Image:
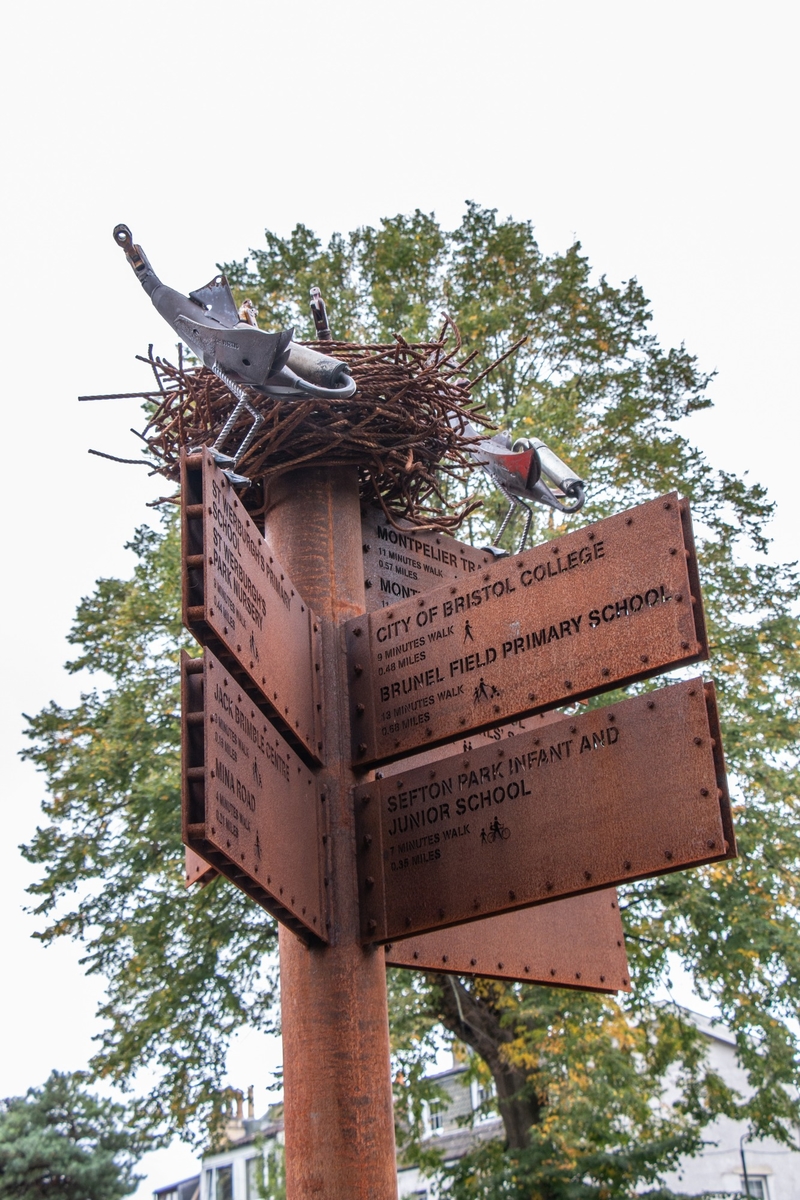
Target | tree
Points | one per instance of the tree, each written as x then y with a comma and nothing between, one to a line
580,1078
59,1142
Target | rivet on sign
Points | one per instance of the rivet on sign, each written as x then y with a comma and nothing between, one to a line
416,954
496,708
444,958
711,845
499,966
428,733
372,925
548,886
367,583
396,742
667,505
602,978
577,974
463,721
369,881
554,549
486,579
591,537
408,922
441,912
359,710
573,728
527,968
619,943
453,591
421,601
685,646
650,704
587,874
644,658
627,864
379,774
367,839
698,741
358,669
531,695
629,520
512,895
357,631
703,791
567,683
520,564
605,672
476,903
473,962
679,597
552,970
365,547
668,855
624,979
611,718
673,551
362,747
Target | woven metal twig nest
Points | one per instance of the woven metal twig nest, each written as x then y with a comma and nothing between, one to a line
398,428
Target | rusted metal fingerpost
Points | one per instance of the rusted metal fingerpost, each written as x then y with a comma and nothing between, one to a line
337,1081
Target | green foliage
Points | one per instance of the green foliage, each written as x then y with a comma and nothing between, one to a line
585,1104
184,970
61,1143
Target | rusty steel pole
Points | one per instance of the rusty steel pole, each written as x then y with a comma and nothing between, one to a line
334,1016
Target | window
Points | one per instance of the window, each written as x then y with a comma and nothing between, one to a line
251,1168
758,1187
224,1183
436,1115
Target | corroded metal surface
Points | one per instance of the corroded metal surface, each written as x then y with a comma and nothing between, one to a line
577,942
240,602
405,561
196,869
611,603
250,807
614,794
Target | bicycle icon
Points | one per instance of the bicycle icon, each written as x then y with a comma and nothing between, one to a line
498,832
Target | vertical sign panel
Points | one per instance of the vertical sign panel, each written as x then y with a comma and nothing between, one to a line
239,601
611,603
251,808
621,793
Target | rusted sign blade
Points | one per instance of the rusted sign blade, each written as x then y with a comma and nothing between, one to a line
250,807
613,794
402,561
196,869
575,943
239,601
611,603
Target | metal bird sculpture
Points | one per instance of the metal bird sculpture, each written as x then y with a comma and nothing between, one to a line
228,342
526,472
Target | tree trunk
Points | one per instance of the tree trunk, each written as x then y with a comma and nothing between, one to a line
475,1022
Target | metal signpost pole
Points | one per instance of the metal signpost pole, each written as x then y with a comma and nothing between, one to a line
337,1082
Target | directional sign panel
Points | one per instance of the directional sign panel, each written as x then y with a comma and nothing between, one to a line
614,794
576,943
402,560
611,603
239,601
250,807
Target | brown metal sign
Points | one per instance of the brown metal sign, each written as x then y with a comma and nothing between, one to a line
611,603
196,869
239,601
614,794
250,807
402,560
577,942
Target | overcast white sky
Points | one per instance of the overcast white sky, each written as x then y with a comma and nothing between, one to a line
663,135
